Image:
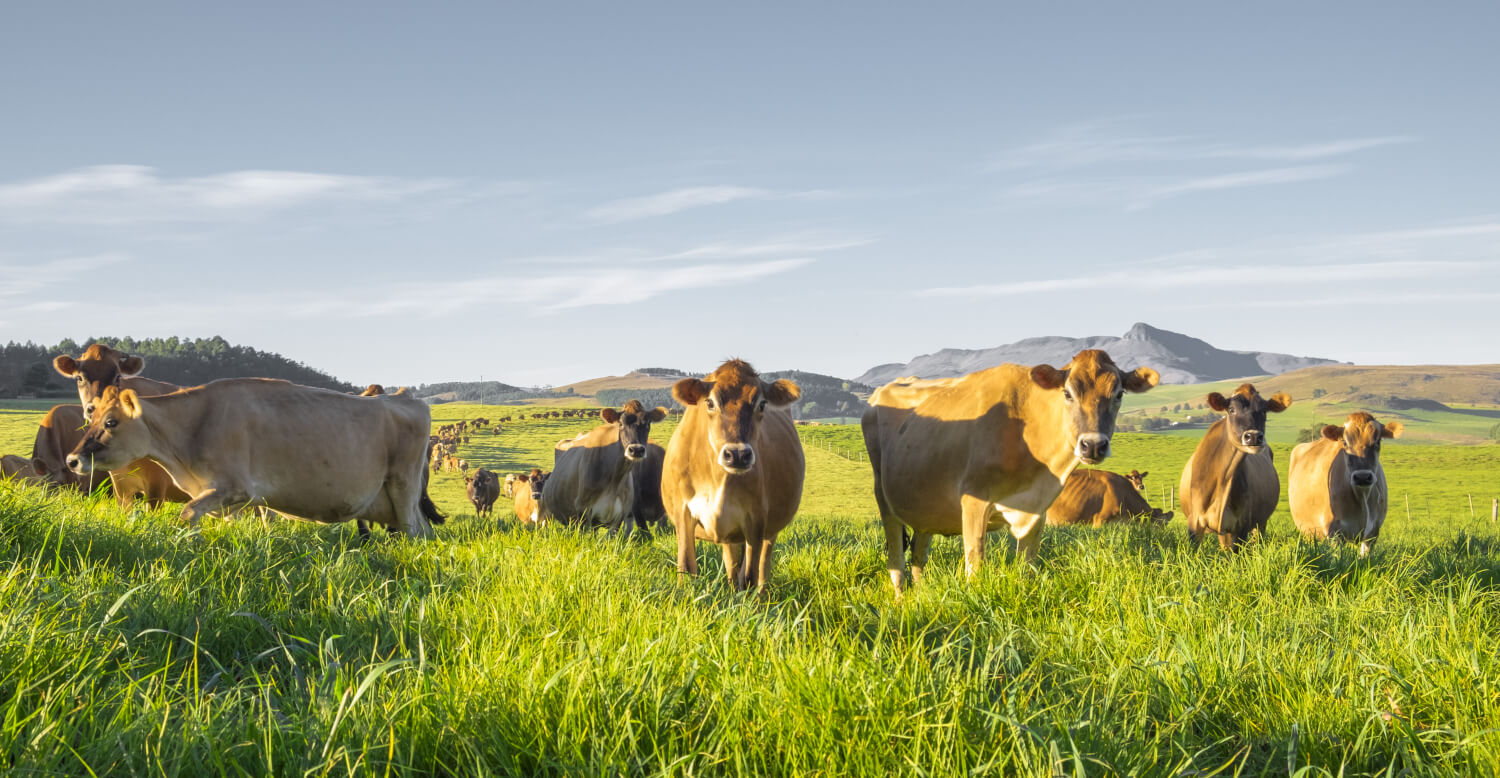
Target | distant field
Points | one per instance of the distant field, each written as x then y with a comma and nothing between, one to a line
129,646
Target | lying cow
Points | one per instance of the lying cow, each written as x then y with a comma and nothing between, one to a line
1336,485
1230,486
988,450
734,469
482,488
309,453
1097,497
18,468
529,493
591,477
59,433
98,368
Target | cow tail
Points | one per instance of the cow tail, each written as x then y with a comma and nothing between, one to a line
428,507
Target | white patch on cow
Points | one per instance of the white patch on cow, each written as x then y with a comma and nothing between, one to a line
1033,500
708,509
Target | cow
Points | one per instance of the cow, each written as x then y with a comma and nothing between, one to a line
1138,480
98,368
1229,486
647,508
482,488
373,390
530,493
18,468
508,489
591,477
309,453
1096,497
994,448
1336,485
733,470
60,431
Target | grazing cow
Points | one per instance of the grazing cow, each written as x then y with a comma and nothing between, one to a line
647,508
592,474
19,468
1230,485
1336,485
98,368
529,491
733,470
1095,497
993,448
310,453
483,488
463,467
60,431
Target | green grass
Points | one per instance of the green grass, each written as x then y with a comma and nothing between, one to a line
129,646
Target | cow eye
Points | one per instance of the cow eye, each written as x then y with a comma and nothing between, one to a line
111,423
709,403
1067,395
762,405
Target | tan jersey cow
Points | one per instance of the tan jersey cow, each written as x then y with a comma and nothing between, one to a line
60,431
528,491
733,470
19,468
993,448
1336,485
308,453
1097,497
96,369
1230,485
591,474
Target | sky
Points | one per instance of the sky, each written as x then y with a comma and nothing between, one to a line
548,192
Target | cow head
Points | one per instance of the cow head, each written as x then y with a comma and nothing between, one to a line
1245,413
1091,388
1360,440
99,368
535,482
117,434
634,423
734,399
1138,479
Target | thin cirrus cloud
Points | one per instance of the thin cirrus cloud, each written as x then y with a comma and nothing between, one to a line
688,198
130,194
1089,145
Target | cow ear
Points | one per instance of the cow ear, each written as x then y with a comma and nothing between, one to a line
610,415
132,366
1333,433
657,414
1141,379
39,466
1279,402
1217,402
66,365
782,392
691,391
1143,475
130,402
1393,430
1048,377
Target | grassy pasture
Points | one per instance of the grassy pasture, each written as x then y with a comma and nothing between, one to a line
129,646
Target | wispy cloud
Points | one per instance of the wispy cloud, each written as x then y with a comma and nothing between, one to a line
1099,143
127,194
23,279
1282,175
677,200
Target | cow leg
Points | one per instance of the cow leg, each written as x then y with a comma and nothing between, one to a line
895,557
1027,530
687,551
734,564
921,543
404,497
203,504
754,546
1228,541
763,570
975,515
364,530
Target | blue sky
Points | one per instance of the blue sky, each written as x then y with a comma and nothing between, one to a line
539,194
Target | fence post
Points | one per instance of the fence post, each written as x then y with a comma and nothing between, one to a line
1494,510
1471,506
1408,506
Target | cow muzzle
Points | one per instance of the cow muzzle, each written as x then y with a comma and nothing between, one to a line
737,458
1252,439
635,452
1363,479
79,464
1092,448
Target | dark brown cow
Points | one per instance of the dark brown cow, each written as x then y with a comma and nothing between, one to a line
648,508
592,473
483,488
59,433
1097,497
1230,486
734,469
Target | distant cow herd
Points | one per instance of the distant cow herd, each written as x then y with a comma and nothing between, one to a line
996,449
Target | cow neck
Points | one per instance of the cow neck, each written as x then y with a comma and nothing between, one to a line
170,447
1044,411
1225,482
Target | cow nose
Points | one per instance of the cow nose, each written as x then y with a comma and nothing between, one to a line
72,462
88,411
1093,447
635,452
1251,438
737,456
1363,477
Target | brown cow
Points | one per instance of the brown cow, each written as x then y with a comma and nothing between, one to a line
482,488
592,473
19,468
529,491
1230,485
733,470
96,369
254,441
373,390
648,509
1336,485
59,433
1096,497
993,448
